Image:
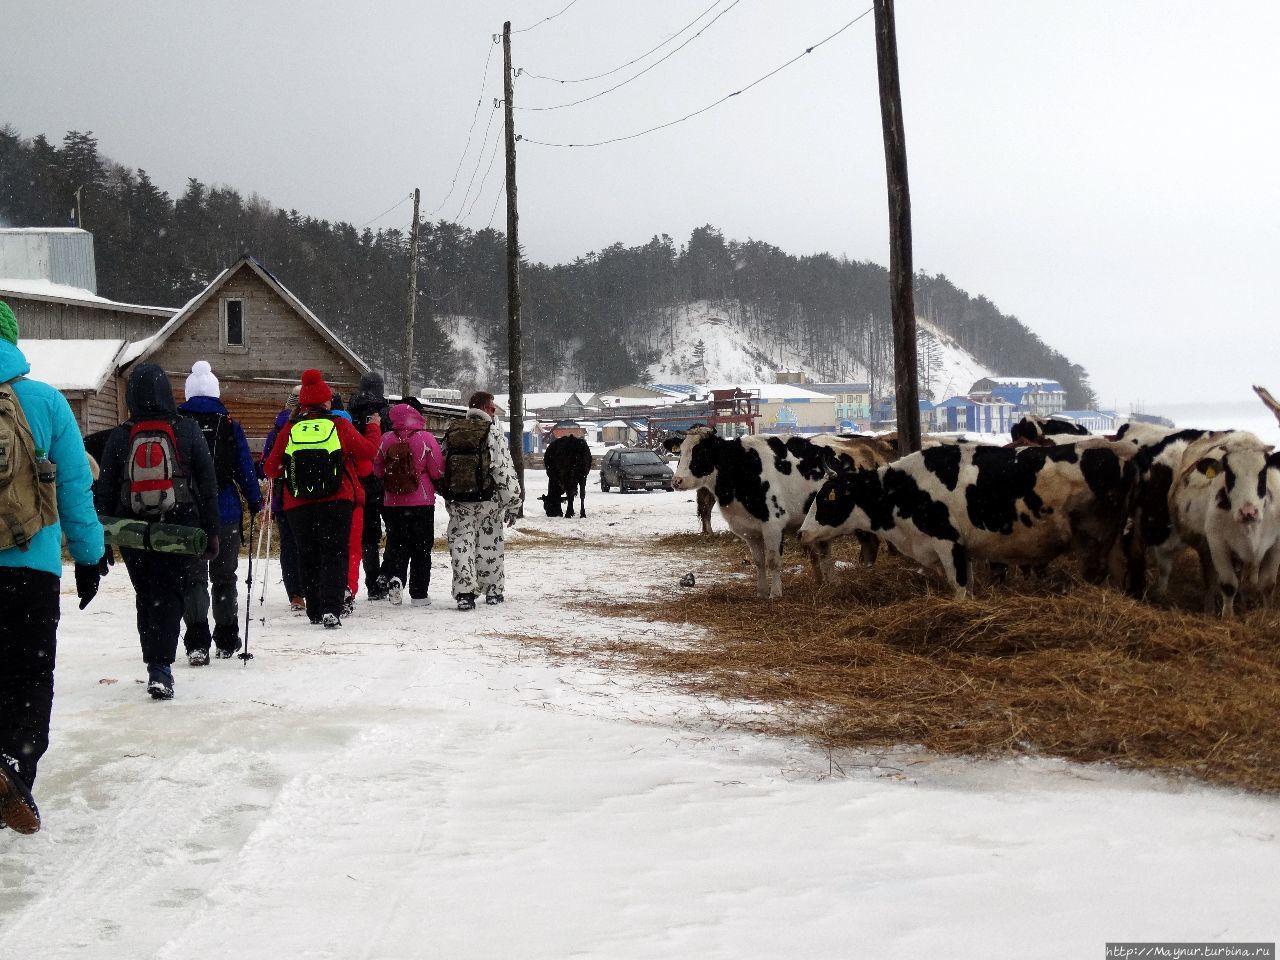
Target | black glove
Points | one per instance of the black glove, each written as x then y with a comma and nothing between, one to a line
107,562
87,577
211,551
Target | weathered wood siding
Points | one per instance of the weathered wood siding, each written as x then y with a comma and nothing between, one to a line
101,409
40,320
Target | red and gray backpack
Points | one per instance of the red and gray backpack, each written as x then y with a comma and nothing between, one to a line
153,468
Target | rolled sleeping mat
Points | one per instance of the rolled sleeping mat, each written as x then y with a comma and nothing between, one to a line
156,537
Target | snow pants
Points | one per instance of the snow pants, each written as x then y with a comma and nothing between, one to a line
354,549
371,536
221,573
476,547
410,534
159,583
28,641
322,532
288,556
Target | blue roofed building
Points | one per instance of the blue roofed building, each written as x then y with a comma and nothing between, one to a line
1027,394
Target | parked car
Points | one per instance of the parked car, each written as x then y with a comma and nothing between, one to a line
630,468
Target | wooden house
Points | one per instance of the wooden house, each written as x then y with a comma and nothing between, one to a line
258,337
84,371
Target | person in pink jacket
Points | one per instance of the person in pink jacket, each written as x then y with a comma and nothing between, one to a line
409,463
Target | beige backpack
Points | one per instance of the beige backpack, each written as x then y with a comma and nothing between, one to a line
28,481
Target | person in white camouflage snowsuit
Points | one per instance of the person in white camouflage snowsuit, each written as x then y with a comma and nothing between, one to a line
476,529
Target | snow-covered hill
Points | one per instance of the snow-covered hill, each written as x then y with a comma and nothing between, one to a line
705,342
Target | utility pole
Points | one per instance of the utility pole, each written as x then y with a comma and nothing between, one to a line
901,272
79,218
406,376
515,386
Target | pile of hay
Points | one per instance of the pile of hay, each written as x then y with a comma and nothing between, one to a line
1045,666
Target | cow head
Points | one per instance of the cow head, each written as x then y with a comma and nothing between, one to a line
553,504
1241,479
699,450
847,503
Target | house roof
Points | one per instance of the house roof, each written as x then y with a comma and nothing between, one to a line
49,292
143,349
73,365
775,391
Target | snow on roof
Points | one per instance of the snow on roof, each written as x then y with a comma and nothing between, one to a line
72,364
775,391
1024,382
540,401
48,290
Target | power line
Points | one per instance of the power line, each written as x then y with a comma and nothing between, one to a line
502,188
470,131
544,19
727,96
600,76
637,76
485,179
479,160
386,211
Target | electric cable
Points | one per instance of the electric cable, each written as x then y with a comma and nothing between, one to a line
544,19
637,76
470,131
385,212
600,76
479,160
690,116
485,179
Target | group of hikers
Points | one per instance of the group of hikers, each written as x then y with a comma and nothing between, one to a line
170,487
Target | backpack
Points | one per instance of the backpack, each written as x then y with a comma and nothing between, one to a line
220,436
400,473
467,476
313,461
153,470
28,491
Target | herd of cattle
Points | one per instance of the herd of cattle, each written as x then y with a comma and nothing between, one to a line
1119,502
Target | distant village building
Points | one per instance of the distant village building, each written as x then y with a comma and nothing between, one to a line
1095,421
1027,394
974,415
853,403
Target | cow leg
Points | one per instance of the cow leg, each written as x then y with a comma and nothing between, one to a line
1226,567
706,500
1164,569
1268,571
756,545
870,545
820,560
570,491
773,561
954,560
582,497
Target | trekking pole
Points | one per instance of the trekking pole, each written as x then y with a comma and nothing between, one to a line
245,655
266,565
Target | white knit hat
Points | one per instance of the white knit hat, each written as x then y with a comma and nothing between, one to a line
202,382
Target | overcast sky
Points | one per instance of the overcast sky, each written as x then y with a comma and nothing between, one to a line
1107,171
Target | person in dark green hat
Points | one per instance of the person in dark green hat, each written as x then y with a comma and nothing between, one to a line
47,453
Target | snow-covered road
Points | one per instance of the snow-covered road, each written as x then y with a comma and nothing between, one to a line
419,785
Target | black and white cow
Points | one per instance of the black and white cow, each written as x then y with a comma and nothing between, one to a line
1224,503
1034,431
764,486
950,505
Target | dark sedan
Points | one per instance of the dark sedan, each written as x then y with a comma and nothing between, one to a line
633,469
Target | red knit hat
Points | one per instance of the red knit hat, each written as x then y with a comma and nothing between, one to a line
315,392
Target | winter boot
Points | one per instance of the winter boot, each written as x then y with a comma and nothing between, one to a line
297,605
197,641
331,621
420,602
199,658
493,599
378,589
395,591
227,640
348,604
160,681
466,601
18,809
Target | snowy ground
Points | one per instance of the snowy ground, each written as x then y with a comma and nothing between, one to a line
419,785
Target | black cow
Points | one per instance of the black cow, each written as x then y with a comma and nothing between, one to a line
567,461
1033,431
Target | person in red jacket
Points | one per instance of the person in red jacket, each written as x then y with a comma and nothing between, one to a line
319,455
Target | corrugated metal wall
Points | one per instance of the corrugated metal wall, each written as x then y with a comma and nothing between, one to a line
58,255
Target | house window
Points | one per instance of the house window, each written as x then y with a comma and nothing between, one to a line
233,331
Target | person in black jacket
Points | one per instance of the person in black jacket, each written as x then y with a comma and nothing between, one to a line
159,579
370,402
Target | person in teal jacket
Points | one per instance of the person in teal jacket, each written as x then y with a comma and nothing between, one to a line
29,584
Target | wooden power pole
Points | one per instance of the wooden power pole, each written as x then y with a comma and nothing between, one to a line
406,375
515,387
901,272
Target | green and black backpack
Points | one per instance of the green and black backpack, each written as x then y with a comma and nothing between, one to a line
467,475
313,458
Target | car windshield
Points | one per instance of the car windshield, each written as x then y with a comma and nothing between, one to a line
640,457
